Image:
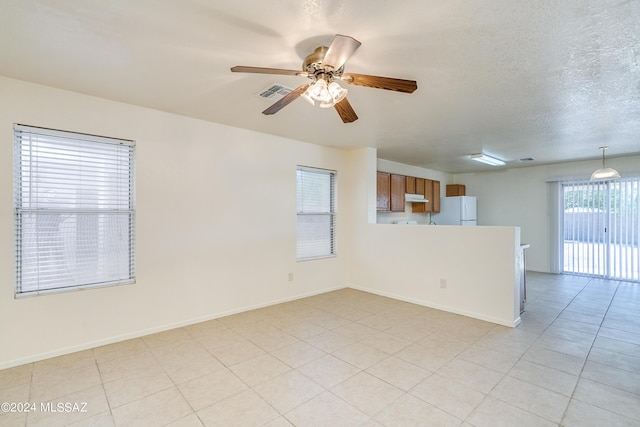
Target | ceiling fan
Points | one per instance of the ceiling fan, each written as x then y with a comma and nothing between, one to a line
325,67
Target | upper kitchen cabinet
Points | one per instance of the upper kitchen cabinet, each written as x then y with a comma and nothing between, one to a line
410,185
454,190
383,191
397,192
431,192
436,196
419,186
390,192
392,187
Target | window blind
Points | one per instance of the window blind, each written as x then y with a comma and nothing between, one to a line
74,210
601,228
316,208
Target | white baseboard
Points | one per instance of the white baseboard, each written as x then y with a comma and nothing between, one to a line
144,332
479,316
141,333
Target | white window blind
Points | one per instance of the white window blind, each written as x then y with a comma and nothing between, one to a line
74,210
316,206
601,228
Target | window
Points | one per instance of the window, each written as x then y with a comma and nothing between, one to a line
316,206
74,210
601,228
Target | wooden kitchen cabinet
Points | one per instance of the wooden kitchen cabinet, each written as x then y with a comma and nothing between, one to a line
397,192
428,194
392,187
426,191
390,192
456,190
383,203
410,185
431,192
419,186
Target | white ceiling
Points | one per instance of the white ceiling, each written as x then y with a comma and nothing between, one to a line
551,80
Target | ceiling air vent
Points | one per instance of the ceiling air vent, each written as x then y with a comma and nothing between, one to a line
275,92
526,159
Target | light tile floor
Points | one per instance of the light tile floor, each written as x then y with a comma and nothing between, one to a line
350,358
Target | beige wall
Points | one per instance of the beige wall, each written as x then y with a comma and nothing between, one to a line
215,225
408,262
216,232
521,197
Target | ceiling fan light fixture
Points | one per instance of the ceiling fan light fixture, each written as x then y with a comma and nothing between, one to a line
318,91
305,95
604,173
327,104
327,94
337,92
483,158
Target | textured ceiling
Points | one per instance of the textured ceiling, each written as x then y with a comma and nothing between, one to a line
551,80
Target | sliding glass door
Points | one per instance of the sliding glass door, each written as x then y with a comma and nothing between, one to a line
601,228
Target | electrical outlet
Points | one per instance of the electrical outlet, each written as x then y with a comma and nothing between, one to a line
291,277
443,283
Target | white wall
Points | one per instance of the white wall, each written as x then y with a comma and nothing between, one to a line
215,225
407,262
521,197
216,232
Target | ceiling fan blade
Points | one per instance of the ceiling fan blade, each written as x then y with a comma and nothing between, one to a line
262,70
388,83
286,100
341,49
346,112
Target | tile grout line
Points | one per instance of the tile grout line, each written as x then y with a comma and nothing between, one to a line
505,375
590,348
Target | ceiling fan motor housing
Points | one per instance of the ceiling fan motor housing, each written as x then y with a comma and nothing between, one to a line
313,65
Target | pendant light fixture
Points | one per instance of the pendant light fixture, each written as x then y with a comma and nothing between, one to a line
604,173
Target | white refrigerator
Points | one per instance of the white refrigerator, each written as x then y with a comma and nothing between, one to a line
459,210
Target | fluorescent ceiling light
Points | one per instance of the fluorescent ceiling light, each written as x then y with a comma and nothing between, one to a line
483,158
